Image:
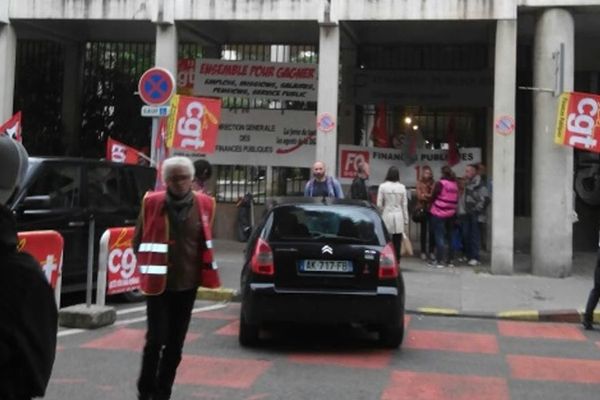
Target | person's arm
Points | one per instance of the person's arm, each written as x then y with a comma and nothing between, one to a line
379,198
405,207
139,228
307,189
337,187
436,191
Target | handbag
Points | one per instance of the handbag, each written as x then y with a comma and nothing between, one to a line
419,214
406,247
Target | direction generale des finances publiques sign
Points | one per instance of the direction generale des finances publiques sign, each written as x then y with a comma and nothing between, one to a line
253,79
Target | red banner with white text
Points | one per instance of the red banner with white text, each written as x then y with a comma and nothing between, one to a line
12,127
121,153
193,124
47,248
578,121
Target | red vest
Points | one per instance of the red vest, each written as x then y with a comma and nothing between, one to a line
152,257
445,204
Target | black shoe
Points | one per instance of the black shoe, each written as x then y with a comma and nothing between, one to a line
588,325
144,396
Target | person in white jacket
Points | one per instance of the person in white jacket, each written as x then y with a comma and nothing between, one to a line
392,201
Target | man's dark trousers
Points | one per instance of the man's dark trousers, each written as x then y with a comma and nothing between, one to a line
168,321
594,296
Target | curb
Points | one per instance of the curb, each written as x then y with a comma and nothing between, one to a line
567,316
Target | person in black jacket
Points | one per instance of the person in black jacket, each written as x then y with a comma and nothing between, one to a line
28,315
358,189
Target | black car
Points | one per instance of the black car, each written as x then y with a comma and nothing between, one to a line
322,261
63,194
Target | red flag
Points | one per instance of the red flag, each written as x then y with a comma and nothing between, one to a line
379,132
121,153
161,152
12,127
453,154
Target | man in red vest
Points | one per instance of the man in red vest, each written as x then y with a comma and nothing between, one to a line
174,256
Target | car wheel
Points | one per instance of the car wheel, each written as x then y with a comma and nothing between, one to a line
248,335
391,336
135,296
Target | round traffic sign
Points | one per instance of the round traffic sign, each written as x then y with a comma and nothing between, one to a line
156,86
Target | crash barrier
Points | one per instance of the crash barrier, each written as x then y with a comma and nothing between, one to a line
117,272
47,248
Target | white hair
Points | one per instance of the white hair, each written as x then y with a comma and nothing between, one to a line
172,162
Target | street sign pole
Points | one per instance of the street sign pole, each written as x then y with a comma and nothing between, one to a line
153,154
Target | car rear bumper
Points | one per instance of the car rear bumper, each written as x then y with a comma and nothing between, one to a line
264,303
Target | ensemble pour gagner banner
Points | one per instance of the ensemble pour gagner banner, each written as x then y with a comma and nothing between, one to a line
578,121
254,79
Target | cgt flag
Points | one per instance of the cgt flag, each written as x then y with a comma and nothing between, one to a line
193,124
578,121
12,127
121,153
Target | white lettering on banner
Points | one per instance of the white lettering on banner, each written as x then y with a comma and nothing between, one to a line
49,267
122,261
118,153
191,126
582,124
119,283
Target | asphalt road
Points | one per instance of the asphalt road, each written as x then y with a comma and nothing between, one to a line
441,358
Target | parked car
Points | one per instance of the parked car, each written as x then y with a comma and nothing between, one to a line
63,194
322,261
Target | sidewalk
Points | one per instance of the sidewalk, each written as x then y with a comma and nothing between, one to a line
463,290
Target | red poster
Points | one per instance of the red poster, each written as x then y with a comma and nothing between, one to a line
47,248
193,124
349,162
578,121
379,133
12,127
121,153
123,276
185,76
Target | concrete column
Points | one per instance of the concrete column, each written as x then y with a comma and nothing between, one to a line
552,174
503,158
72,93
8,49
329,55
166,47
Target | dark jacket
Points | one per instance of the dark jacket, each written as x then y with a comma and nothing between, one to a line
358,189
28,320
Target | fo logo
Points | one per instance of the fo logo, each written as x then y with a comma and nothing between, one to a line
350,160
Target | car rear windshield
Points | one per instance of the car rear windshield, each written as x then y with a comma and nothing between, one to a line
335,223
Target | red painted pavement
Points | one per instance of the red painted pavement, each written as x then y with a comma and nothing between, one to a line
451,341
231,329
217,315
220,372
377,359
554,369
429,386
540,330
126,339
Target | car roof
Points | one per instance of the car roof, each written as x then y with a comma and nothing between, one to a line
273,202
78,160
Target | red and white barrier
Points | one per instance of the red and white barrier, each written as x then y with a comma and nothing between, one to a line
117,272
47,248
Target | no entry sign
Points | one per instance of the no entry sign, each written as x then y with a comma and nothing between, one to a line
156,86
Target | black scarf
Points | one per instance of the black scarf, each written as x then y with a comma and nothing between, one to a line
178,208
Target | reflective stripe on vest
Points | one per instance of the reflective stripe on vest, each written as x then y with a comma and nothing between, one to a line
154,248
153,269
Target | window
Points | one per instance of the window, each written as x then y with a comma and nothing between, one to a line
60,184
105,189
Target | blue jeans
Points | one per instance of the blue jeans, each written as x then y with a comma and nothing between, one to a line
472,236
442,231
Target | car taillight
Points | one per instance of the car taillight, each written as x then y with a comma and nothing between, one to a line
262,259
388,265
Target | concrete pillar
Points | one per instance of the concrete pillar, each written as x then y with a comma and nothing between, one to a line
166,47
329,55
347,107
72,97
8,49
552,174
503,158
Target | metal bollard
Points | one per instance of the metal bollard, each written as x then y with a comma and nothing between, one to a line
90,262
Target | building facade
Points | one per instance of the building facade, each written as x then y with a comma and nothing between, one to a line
496,65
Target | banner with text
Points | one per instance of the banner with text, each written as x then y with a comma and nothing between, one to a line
264,137
122,274
193,124
255,79
578,121
380,159
47,248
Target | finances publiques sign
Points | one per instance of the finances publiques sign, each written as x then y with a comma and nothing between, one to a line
254,79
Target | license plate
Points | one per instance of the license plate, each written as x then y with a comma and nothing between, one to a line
336,266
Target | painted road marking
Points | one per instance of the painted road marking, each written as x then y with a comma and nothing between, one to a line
452,341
